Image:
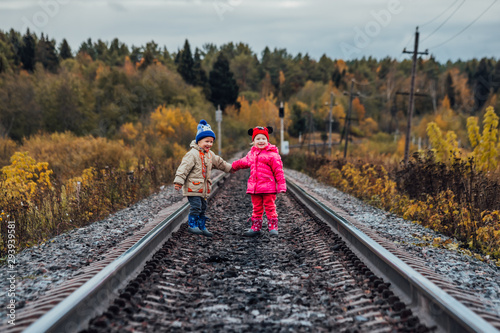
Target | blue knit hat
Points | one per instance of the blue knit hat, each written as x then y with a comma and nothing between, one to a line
204,130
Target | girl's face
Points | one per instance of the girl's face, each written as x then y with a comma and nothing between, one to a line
206,143
260,141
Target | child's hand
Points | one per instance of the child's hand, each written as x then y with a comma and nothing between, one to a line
232,170
177,187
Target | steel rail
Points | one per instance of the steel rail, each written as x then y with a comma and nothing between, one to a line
433,305
92,298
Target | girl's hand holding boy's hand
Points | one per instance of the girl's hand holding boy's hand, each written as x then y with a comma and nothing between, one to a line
177,186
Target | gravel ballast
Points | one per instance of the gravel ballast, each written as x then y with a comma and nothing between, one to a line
467,272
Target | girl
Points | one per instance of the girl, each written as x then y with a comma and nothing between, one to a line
266,179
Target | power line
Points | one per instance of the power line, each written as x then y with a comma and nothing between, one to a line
428,22
461,31
435,18
446,20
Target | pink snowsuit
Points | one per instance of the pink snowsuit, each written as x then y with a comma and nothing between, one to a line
266,179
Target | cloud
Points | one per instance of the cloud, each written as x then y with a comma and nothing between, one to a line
316,27
119,7
16,5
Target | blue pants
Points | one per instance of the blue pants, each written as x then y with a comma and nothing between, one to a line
198,206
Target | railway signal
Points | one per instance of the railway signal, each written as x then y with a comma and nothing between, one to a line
284,148
218,119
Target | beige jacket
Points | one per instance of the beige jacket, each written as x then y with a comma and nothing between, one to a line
191,174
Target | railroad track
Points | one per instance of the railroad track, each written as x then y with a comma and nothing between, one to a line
309,278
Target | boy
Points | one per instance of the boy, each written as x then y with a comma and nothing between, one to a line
193,175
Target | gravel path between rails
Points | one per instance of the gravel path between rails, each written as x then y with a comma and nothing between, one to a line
41,267
303,280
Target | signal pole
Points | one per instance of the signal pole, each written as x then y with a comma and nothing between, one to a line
218,119
281,115
412,88
330,123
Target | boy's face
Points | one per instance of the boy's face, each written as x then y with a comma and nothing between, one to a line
260,141
206,143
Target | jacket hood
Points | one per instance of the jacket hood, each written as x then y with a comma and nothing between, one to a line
269,147
194,145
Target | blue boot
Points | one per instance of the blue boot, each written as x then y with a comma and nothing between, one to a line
202,219
193,225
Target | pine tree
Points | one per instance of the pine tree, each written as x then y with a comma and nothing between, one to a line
88,48
325,66
450,91
224,90
27,53
16,43
118,48
147,59
337,77
200,77
166,55
496,78
45,53
481,84
4,63
135,54
186,63
65,50
101,49
6,53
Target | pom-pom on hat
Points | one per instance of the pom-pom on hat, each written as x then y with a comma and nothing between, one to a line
260,130
204,130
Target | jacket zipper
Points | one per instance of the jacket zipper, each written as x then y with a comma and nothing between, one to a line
256,166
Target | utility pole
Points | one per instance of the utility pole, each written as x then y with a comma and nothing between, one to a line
348,120
330,124
412,87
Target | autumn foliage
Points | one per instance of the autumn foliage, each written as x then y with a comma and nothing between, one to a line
84,179
447,189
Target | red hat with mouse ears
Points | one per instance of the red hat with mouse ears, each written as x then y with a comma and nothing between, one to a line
260,130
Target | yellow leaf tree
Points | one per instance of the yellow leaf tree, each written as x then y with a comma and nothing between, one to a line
445,147
485,146
173,122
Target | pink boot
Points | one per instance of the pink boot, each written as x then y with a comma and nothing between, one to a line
255,229
273,226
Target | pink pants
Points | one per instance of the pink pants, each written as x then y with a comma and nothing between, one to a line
263,202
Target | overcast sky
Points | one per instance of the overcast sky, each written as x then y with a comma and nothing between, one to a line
449,29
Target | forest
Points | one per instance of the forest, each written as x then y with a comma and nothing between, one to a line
86,132
47,87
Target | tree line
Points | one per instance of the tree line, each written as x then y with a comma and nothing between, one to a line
48,87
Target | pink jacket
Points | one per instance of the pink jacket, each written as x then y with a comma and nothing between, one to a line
266,170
